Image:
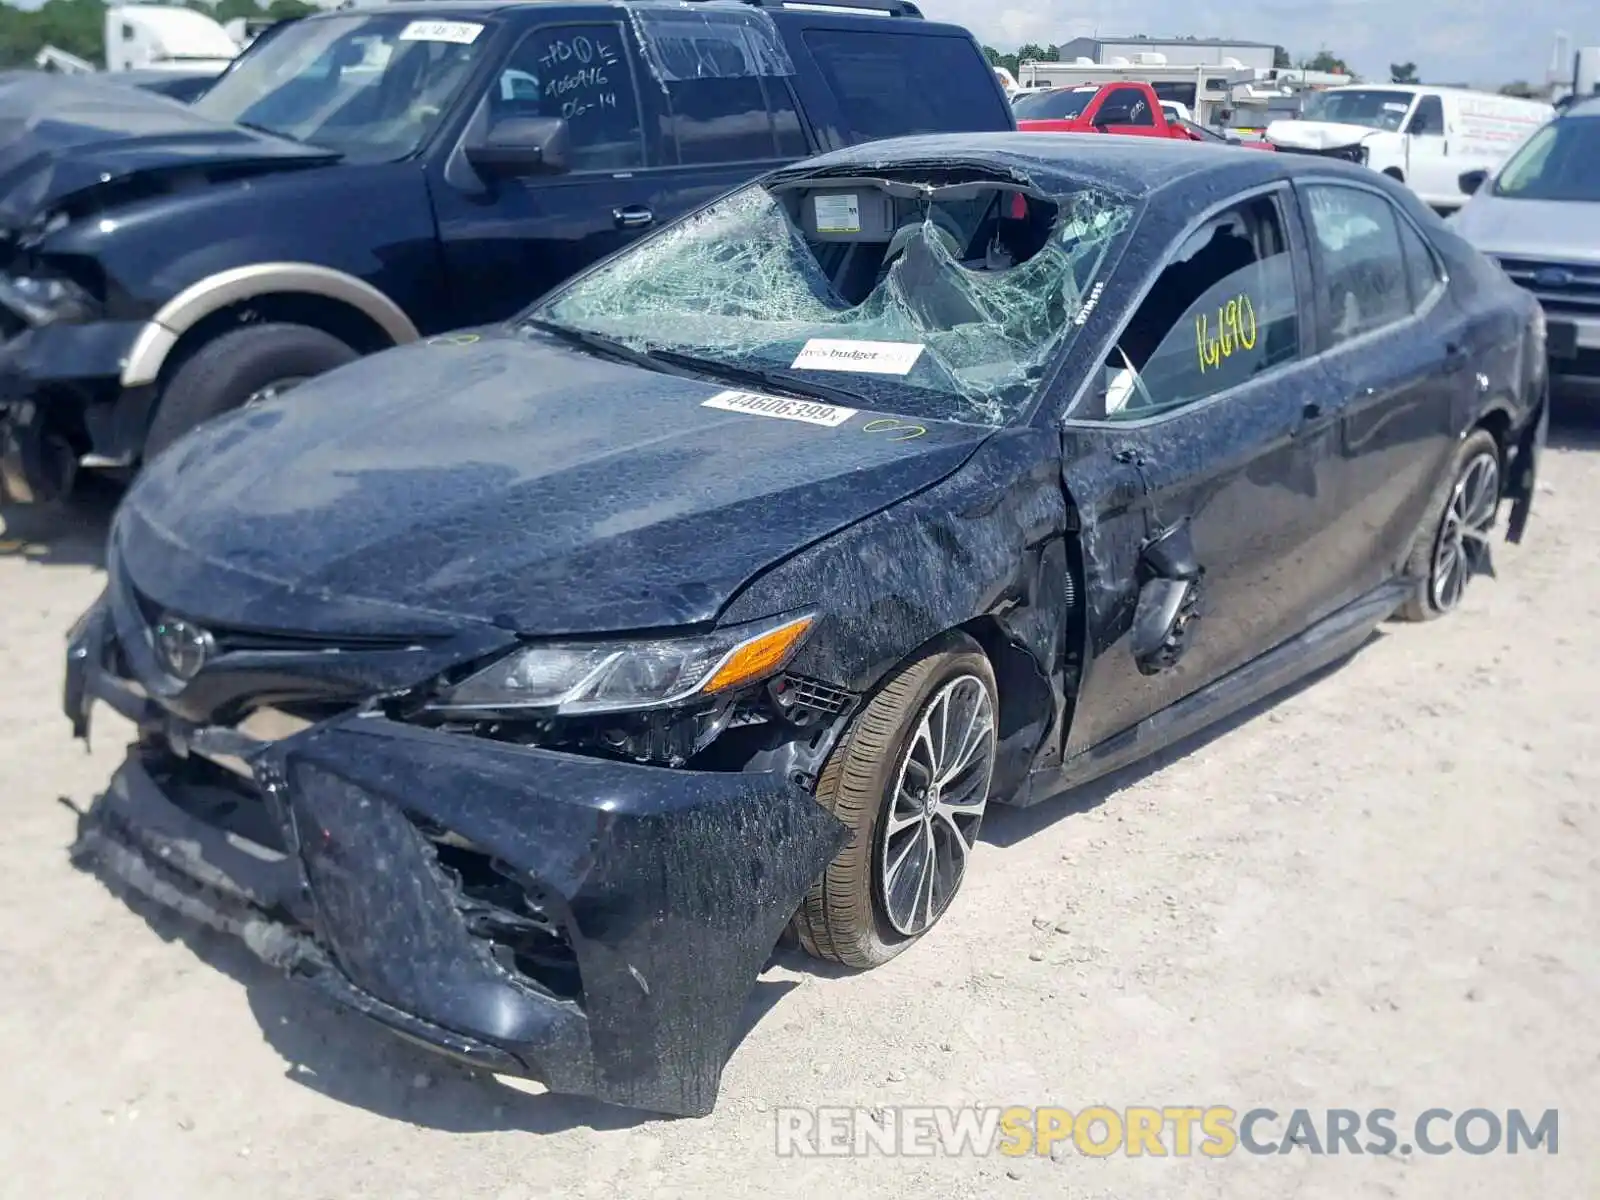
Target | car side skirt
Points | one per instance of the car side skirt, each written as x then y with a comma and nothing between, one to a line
1326,642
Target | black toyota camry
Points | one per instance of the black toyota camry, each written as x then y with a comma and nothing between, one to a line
520,687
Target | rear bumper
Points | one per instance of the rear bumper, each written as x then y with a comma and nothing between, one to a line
594,925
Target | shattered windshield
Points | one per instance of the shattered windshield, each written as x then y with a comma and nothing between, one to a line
944,303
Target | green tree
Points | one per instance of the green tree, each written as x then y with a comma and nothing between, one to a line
1280,58
1325,60
1033,53
1405,72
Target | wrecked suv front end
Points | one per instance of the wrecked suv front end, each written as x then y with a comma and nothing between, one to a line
575,917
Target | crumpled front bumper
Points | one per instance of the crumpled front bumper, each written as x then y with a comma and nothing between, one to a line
667,889
62,404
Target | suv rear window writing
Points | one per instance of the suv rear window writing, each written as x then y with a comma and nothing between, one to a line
891,84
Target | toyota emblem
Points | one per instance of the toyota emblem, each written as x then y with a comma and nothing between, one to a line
182,647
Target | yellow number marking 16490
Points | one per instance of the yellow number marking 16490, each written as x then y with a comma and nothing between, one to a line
1236,330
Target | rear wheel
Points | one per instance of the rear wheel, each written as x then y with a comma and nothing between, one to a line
255,362
911,780
1453,545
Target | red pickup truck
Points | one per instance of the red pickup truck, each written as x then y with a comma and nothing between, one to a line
1122,107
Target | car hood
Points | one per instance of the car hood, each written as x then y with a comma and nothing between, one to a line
496,477
1548,230
61,135
1316,135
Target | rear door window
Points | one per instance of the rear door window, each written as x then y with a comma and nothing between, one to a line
726,97
1356,235
891,84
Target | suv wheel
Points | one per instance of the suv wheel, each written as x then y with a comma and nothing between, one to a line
251,363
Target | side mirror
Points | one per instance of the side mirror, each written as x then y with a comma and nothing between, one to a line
521,146
1470,181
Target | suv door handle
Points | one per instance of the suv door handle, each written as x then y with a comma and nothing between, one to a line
635,216
1455,356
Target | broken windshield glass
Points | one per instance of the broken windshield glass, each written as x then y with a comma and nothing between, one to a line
951,314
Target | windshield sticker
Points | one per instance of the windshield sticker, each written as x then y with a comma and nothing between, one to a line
871,358
1393,106
812,412
462,33
1235,331
838,214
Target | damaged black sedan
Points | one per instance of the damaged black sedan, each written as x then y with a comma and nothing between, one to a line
523,704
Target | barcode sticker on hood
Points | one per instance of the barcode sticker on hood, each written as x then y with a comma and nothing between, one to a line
463,33
785,408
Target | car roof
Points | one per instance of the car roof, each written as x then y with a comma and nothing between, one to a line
1060,162
1588,107
483,8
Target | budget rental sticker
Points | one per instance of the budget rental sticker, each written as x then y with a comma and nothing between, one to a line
463,33
873,358
812,412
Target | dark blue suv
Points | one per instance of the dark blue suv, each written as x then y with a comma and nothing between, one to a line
369,176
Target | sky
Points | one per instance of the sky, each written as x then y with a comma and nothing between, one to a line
1484,42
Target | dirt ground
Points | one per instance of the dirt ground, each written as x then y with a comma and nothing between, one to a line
1378,891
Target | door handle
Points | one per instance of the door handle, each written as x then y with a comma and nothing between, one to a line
1455,356
634,216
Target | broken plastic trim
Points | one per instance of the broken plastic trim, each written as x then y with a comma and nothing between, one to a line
685,43
737,283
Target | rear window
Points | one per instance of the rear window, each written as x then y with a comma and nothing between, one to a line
891,84
1053,106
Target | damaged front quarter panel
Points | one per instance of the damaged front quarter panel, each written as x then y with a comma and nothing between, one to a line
669,887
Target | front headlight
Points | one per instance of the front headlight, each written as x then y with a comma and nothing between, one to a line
595,677
44,300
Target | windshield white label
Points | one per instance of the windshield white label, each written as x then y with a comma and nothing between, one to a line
873,358
838,214
463,33
812,412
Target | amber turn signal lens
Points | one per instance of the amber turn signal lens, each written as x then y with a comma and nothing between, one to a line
759,657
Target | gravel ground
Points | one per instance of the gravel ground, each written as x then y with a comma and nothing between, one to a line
1379,891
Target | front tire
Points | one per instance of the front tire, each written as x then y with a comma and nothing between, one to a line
231,370
910,778
1453,543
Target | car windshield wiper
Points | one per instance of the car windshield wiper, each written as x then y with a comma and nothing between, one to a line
772,380
606,348
687,366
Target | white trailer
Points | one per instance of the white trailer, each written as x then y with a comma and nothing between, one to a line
154,37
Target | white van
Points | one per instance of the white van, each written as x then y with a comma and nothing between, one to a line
1426,137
